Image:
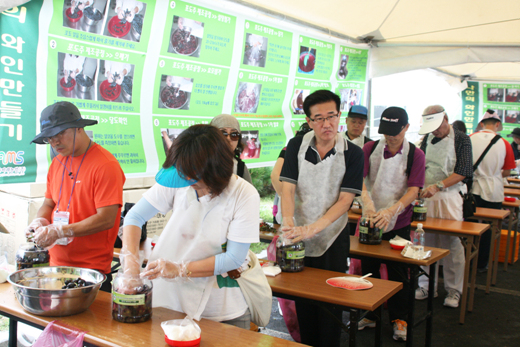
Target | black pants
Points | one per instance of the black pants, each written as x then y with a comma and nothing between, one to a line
397,304
485,240
317,327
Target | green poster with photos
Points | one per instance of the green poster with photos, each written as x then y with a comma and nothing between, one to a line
315,59
189,88
193,32
303,88
266,49
504,99
352,64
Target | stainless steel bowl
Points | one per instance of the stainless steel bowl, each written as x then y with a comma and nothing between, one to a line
39,290
84,89
91,22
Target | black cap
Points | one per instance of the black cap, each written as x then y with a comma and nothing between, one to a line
58,117
393,120
515,133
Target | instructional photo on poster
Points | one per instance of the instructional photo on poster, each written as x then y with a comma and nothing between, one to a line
298,99
125,19
343,71
307,60
255,50
175,92
349,98
168,136
247,98
495,94
512,117
85,15
186,37
513,95
76,76
115,81
251,145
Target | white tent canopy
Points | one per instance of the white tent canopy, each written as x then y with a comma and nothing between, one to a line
471,39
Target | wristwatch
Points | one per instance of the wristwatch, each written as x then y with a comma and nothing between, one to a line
440,185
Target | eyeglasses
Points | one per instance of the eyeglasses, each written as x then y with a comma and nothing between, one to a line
235,135
321,120
56,137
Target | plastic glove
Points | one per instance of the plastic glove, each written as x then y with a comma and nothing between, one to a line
119,79
128,283
302,233
165,269
382,218
287,224
430,191
130,263
35,224
46,236
130,16
369,208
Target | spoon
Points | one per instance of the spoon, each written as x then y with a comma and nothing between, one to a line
367,275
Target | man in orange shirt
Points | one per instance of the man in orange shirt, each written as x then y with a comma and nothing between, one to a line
81,212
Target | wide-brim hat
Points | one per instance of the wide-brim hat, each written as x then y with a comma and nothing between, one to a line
58,117
171,178
431,122
515,133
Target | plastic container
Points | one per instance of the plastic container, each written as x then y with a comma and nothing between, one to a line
29,255
419,210
131,308
418,239
367,234
290,256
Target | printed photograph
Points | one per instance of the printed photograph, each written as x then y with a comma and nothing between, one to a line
85,15
175,92
307,60
168,135
343,71
247,98
115,81
298,99
125,19
251,144
76,76
513,95
255,50
495,94
349,98
186,36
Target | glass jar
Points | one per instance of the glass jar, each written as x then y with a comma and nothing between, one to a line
419,210
367,234
29,255
290,256
136,306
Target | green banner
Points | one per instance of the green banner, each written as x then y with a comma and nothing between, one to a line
470,105
19,40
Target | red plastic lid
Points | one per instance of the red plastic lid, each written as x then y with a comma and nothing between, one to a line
118,29
508,199
192,343
109,93
68,89
73,20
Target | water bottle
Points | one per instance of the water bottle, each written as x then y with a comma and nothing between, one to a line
418,239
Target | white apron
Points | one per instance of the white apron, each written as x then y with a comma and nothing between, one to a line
440,163
192,233
358,141
317,190
387,181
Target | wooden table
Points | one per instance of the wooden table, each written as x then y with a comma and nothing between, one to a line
512,192
101,330
513,180
495,217
309,286
470,232
389,255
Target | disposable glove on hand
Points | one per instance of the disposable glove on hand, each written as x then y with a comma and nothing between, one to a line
383,218
430,191
165,269
46,236
369,208
128,283
35,224
130,263
302,233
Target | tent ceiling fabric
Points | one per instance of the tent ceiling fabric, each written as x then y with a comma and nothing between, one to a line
464,37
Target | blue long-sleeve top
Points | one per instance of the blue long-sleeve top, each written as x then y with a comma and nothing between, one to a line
232,259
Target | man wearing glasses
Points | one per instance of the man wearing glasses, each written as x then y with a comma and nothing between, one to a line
81,212
321,175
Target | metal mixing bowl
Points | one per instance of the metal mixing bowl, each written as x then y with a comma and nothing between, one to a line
39,290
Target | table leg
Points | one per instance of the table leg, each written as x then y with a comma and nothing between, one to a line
13,333
353,327
379,325
497,250
411,306
509,228
513,248
429,313
491,262
474,262
464,301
